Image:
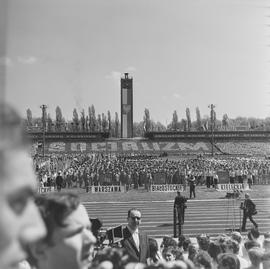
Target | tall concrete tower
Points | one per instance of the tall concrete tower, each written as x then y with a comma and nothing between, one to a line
126,107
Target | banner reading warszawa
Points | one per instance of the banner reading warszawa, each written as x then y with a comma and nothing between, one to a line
166,188
129,146
105,189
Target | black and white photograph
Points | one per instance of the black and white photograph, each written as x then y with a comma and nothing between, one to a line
134,134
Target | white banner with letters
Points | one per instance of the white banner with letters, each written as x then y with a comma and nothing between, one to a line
166,188
232,187
45,189
105,189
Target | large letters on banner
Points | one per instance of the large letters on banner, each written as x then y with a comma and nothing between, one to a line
166,188
45,189
105,189
127,146
231,187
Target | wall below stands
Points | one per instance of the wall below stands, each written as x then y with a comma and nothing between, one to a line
127,146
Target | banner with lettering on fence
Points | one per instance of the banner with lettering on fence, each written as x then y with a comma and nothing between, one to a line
106,189
166,188
45,189
232,187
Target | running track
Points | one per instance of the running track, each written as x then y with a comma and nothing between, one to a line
202,216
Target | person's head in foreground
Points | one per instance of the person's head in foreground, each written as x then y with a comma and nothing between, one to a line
20,221
228,261
203,260
69,242
192,251
115,258
256,256
172,253
169,253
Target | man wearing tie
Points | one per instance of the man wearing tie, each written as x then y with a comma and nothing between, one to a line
135,242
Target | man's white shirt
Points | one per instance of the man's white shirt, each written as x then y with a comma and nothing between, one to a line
135,236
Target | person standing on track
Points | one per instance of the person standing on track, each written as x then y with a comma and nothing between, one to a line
192,184
59,181
249,209
180,206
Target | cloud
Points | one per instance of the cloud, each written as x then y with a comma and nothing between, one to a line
114,75
27,60
176,95
131,69
5,61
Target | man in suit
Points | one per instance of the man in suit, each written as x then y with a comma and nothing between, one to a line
192,184
248,210
135,242
59,181
180,206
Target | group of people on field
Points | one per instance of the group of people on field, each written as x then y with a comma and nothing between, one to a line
82,170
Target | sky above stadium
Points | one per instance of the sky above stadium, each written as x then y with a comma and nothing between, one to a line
180,53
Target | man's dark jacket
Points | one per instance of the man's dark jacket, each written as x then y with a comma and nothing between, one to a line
249,207
129,244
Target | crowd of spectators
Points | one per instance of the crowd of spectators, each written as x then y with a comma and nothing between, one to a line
247,148
82,170
232,251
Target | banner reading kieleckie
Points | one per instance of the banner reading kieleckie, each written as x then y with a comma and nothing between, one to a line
232,187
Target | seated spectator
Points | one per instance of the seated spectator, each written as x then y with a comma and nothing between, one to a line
172,253
235,250
238,238
203,241
155,255
256,257
181,240
266,260
228,261
203,260
186,244
69,242
168,241
192,252
248,245
114,258
266,242
251,244
254,234
214,250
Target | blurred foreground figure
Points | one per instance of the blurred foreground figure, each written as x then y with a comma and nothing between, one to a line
70,241
20,221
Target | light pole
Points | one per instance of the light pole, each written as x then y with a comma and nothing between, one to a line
43,107
212,127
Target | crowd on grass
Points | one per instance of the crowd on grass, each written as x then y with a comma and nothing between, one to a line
80,170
